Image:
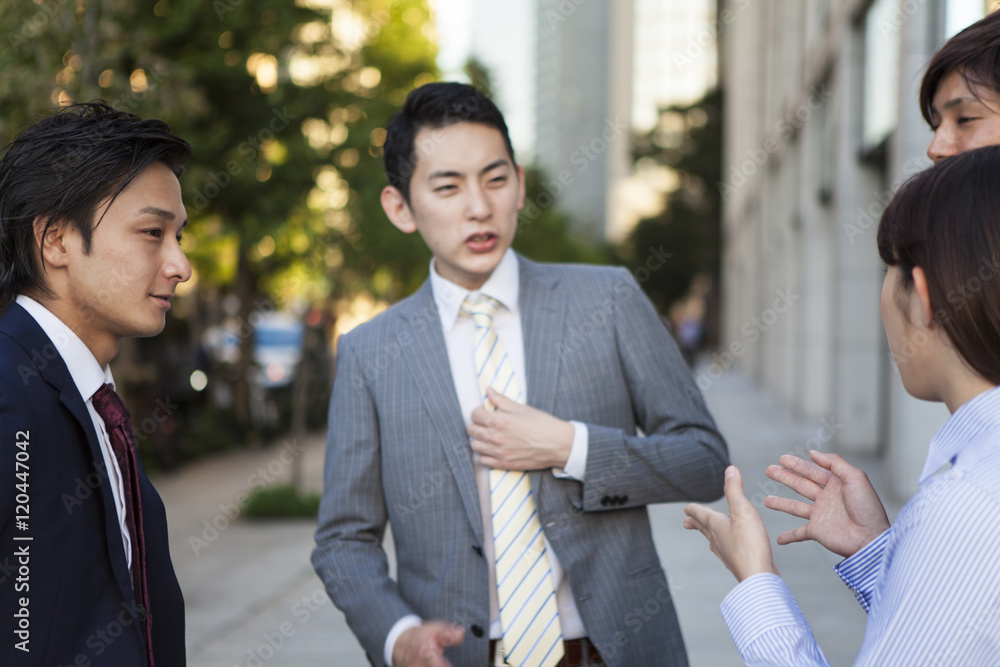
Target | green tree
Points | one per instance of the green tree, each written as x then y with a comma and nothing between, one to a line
688,141
544,232
285,105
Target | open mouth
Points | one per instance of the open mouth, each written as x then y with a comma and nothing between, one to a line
483,242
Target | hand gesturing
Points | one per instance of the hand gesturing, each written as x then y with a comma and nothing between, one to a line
739,538
845,514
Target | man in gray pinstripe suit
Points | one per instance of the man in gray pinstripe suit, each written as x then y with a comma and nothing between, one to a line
613,422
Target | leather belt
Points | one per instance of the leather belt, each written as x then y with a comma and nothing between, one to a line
575,650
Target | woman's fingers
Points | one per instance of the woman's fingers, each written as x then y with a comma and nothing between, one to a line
788,506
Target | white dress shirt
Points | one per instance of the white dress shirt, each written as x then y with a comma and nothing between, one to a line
88,378
459,333
930,584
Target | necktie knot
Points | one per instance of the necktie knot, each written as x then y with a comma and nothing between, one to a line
480,306
110,407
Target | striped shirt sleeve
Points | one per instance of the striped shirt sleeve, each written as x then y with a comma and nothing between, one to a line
767,625
861,571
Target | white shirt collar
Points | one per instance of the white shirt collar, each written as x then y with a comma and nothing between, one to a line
504,285
79,360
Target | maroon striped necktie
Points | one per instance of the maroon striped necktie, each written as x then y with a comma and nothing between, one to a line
116,419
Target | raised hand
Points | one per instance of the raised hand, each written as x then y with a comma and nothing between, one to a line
845,513
739,538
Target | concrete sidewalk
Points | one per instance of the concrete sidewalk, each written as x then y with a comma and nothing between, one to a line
252,598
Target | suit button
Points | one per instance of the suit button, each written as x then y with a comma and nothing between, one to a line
624,499
604,501
476,630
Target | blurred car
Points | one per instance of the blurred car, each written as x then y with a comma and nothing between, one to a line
277,349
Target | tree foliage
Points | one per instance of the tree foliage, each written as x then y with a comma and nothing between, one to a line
285,104
688,141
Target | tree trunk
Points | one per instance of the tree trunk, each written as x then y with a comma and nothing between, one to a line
246,291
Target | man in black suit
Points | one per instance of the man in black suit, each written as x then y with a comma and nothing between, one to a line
90,225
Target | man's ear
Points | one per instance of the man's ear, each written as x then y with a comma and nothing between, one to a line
52,242
922,298
397,210
521,192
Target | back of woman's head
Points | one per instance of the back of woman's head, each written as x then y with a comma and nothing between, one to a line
946,220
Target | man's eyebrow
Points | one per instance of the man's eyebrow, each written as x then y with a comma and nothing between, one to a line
451,173
163,213
156,210
444,173
955,101
502,162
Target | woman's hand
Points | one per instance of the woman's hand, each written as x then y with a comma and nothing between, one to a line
846,513
739,538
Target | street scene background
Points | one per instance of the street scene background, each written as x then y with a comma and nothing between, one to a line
734,155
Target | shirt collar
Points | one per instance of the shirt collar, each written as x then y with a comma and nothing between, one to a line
80,361
976,416
504,285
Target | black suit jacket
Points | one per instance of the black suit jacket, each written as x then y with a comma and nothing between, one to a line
69,585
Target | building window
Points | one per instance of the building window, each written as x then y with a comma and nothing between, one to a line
881,68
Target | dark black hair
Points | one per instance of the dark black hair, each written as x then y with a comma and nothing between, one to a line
946,220
60,170
975,52
434,105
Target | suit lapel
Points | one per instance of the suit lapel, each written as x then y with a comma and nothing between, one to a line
427,360
23,328
543,310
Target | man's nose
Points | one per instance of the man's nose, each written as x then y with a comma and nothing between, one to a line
942,145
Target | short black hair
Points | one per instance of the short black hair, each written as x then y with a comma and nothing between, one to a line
946,220
61,169
434,105
975,52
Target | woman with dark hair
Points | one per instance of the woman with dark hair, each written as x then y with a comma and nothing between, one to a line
931,582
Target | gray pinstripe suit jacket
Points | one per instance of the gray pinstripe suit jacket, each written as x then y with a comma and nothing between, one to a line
397,451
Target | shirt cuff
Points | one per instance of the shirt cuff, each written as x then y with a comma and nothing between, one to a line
576,464
759,604
401,626
860,571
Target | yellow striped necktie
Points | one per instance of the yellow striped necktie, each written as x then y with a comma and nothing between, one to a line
529,616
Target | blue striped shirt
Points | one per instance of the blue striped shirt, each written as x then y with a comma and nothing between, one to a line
930,584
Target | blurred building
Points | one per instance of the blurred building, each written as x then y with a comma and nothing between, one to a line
575,79
583,101
822,124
